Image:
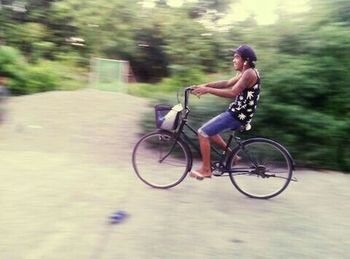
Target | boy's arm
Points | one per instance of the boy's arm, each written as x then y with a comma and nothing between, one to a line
224,83
238,86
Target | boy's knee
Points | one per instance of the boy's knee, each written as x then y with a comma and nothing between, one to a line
201,133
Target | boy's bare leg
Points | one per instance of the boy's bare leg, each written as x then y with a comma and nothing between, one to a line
218,140
204,143
205,169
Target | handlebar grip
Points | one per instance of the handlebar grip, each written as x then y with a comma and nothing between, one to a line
187,92
189,88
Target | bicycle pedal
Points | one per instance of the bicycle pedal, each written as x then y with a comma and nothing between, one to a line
217,173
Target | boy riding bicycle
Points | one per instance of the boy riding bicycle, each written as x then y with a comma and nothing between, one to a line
245,88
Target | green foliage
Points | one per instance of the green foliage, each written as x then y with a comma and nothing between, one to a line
169,87
186,76
41,77
14,65
49,75
10,58
302,130
153,90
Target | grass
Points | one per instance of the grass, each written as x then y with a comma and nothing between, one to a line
166,87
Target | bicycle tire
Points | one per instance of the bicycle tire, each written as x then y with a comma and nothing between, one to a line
148,163
255,156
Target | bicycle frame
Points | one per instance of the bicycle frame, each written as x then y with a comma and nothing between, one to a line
223,158
222,163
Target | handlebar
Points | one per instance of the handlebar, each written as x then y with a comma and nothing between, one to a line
187,91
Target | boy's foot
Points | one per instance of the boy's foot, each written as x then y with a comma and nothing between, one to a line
198,175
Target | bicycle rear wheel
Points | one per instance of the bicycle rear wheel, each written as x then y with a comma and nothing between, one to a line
161,161
261,168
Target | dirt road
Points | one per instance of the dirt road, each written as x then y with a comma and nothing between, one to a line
66,167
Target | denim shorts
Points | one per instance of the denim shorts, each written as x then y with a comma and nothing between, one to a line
223,122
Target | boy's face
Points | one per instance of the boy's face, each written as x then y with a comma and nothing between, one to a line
238,62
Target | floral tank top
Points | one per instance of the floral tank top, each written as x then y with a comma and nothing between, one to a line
244,106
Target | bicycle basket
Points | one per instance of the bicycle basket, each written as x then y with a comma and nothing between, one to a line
167,117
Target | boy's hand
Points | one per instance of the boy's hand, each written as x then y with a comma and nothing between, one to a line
199,90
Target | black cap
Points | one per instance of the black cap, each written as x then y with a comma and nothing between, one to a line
246,52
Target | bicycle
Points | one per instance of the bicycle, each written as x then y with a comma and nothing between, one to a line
258,167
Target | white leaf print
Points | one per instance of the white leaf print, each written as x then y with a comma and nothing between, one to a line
255,86
241,116
258,98
251,103
250,94
251,115
241,97
249,110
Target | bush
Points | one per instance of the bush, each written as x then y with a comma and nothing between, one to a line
185,76
42,77
14,65
304,110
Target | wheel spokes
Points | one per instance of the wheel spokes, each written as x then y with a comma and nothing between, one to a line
268,165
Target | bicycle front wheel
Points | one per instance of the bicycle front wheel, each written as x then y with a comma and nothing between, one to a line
161,161
261,168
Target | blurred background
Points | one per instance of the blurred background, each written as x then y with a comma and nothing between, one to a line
152,48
